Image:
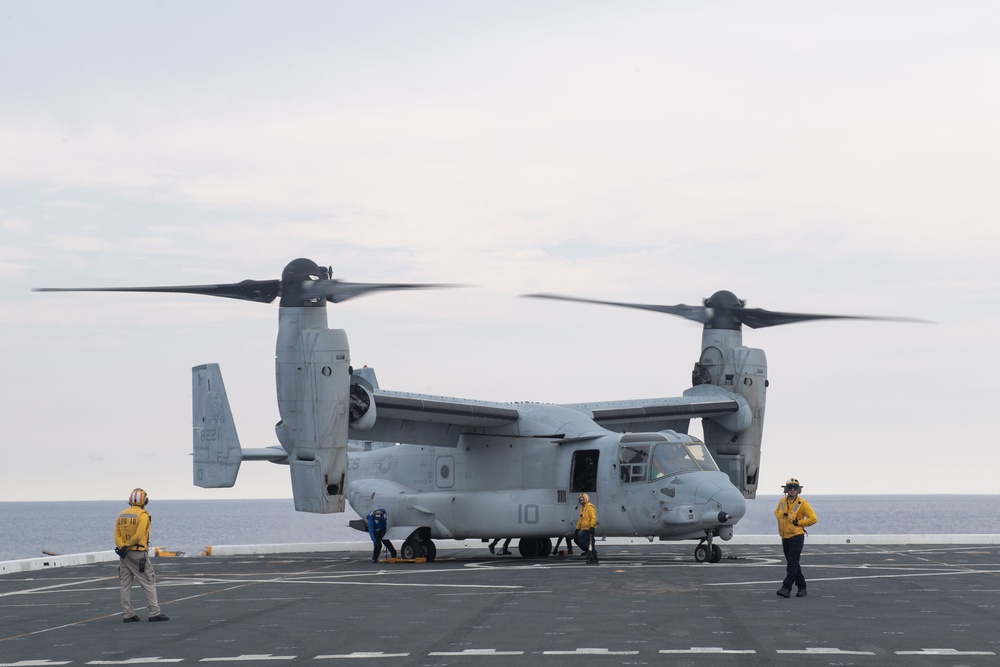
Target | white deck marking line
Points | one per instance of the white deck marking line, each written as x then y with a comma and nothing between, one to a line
513,592
31,591
135,661
33,663
249,658
370,583
475,651
101,618
590,651
815,650
707,649
867,576
362,654
944,651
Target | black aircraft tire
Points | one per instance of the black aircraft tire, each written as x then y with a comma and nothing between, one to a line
528,547
544,547
430,551
701,553
716,554
410,549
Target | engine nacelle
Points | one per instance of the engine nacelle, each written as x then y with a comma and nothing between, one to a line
362,408
313,379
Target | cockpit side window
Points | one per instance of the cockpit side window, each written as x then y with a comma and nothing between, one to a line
633,463
671,459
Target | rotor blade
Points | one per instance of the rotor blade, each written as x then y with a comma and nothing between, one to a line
696,313
758,318
262,291
336,291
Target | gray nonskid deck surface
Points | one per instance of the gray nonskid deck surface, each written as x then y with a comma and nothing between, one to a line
867,605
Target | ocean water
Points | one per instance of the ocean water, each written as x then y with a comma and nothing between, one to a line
29,528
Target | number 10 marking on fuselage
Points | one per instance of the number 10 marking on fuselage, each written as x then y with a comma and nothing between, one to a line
527,514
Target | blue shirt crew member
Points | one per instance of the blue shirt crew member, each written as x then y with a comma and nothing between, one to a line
794,515
377,525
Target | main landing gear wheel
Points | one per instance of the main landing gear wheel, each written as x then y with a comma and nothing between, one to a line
545,546
415,548
534,547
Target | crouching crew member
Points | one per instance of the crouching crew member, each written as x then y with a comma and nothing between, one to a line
132,547
376,530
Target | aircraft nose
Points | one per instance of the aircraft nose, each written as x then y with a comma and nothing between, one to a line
731,503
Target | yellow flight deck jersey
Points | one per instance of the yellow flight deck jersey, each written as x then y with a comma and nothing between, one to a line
798,509
588,517
132,529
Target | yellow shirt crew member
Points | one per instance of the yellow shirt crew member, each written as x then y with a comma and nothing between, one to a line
586,524
132,547
132,529
794,515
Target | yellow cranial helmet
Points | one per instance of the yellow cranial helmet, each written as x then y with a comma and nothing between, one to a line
792,483
584,498
138,497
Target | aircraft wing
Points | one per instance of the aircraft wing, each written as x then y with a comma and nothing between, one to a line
657,414
421,419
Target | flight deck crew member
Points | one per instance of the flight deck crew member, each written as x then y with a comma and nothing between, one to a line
794,515
376,530
504,551
569,545
586,524
132,547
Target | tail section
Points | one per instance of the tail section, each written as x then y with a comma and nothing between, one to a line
217,452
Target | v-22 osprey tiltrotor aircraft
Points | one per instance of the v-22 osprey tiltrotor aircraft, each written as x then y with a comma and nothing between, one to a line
458,468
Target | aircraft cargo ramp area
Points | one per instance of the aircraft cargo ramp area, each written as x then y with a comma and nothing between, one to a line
868,603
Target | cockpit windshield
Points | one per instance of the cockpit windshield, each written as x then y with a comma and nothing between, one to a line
645,462
673,458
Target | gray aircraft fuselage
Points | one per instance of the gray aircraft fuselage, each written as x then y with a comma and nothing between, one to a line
526,485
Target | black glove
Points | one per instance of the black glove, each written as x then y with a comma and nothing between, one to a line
121,551
795,522
576,533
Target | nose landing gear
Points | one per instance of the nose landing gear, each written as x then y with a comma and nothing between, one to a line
706,551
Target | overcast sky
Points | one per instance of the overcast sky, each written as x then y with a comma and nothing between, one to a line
811,157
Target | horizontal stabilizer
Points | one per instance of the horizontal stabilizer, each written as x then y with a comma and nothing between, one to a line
274,454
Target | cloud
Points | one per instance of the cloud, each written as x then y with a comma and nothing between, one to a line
812,159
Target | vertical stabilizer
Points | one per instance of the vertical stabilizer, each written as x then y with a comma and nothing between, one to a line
217,452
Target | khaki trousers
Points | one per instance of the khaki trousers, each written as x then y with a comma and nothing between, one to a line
128,569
